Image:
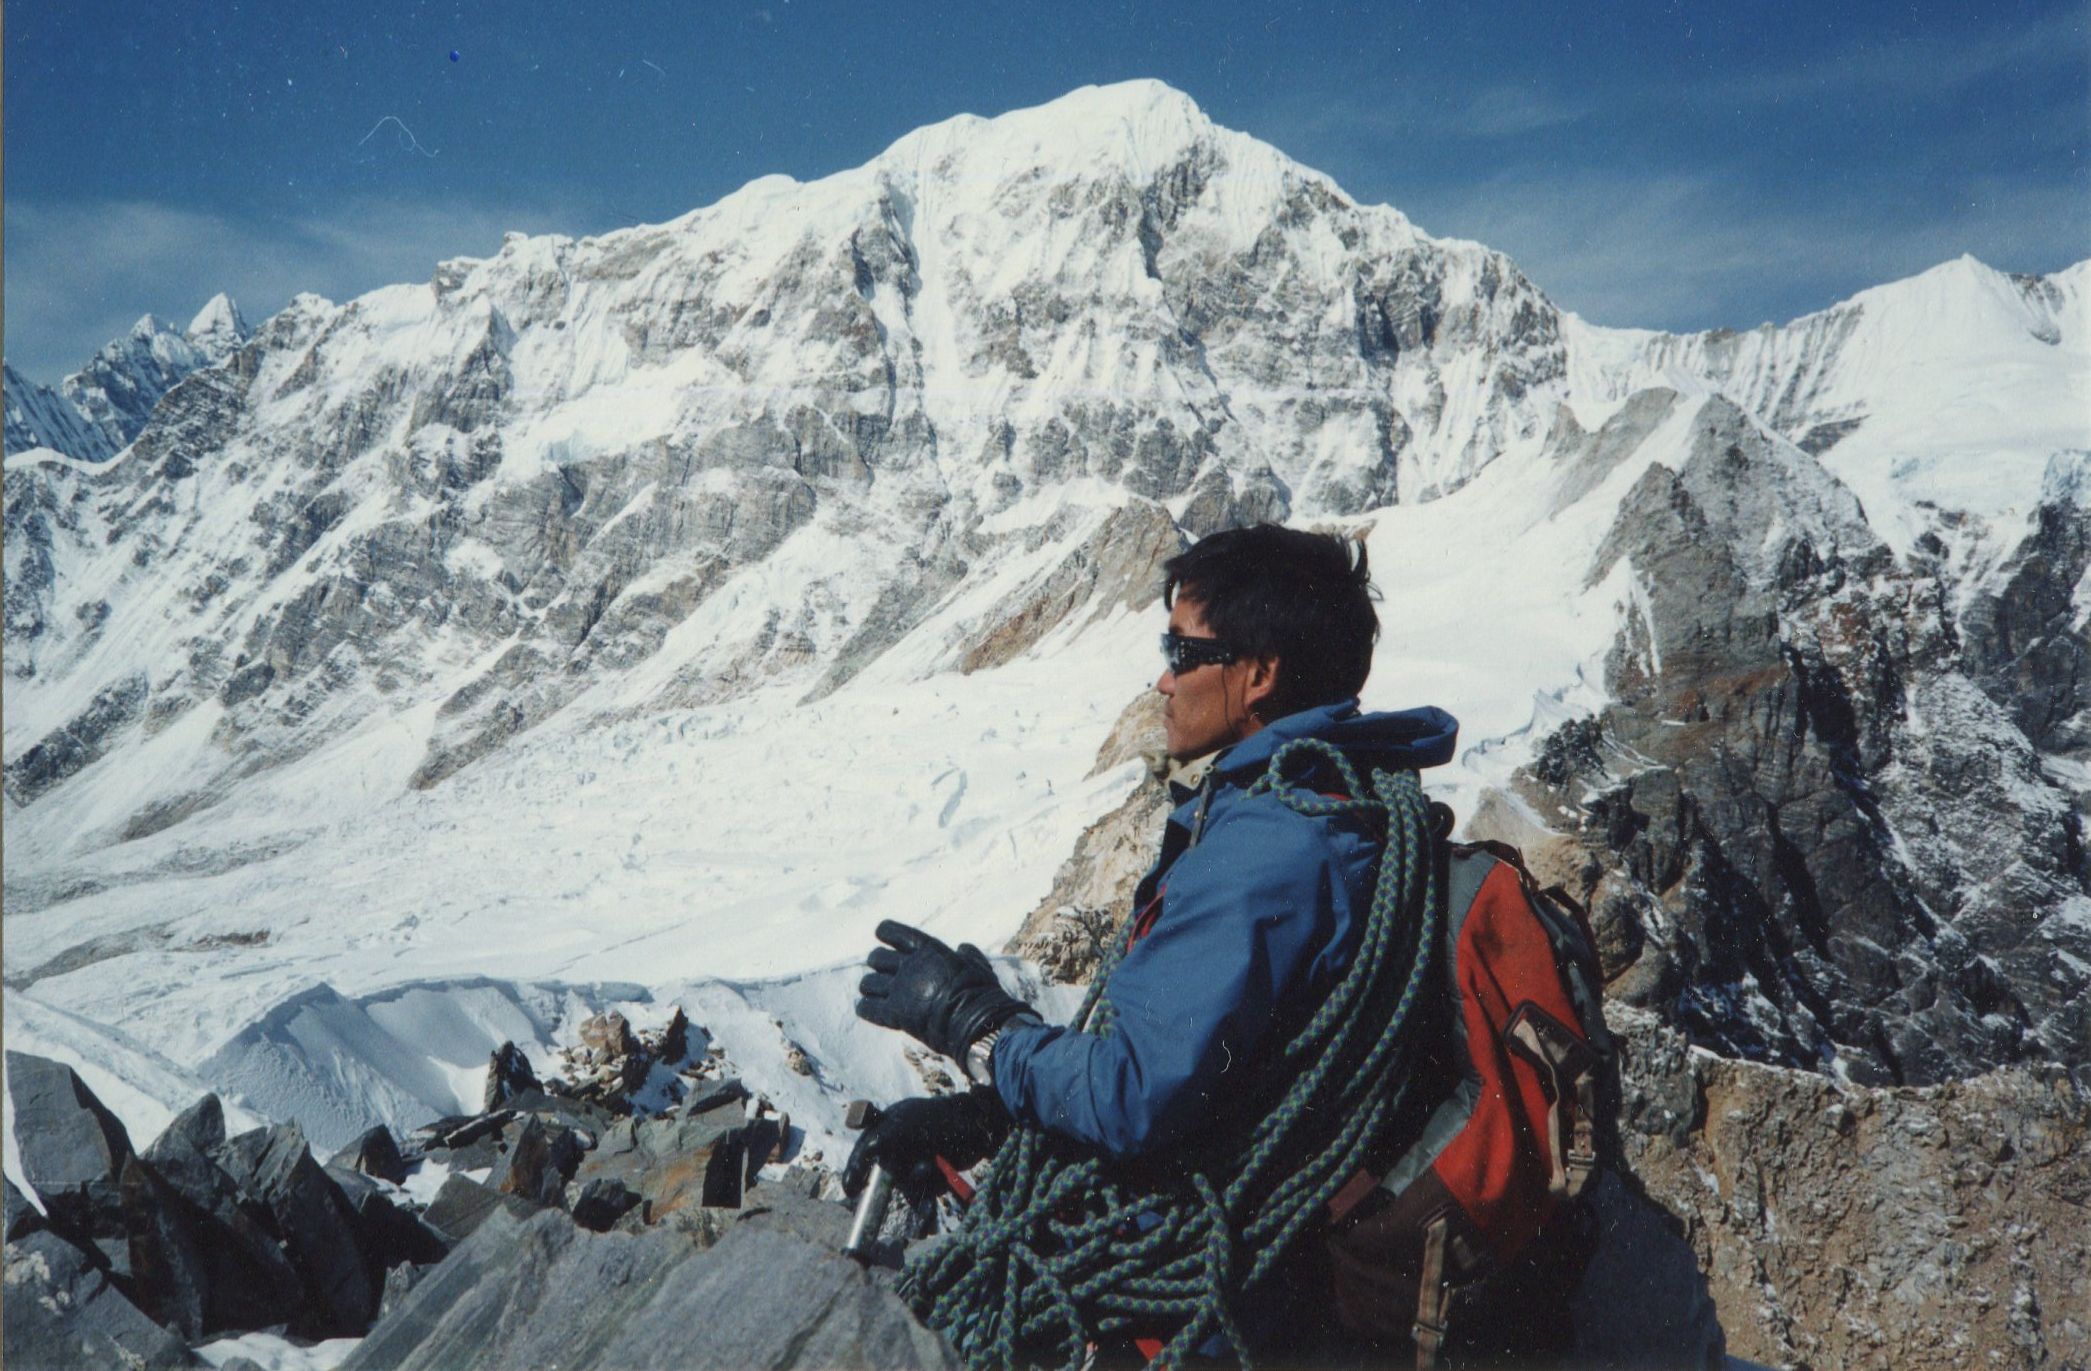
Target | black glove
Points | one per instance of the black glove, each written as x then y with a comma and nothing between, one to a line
908,1138
946,999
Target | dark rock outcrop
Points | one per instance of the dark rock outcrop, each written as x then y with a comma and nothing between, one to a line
374,1152
508,1074
61,1312
247,1279
73,1152
80,742
677,1040
1787,824
170,1274
2024,639
317,1226
539,1161
462,1205
386,1234
22,1216
696,1158
465,1142
599,1203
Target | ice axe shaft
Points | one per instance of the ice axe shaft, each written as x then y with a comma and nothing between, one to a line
878,1190
871,1215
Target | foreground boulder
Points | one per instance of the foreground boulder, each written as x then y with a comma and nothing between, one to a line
462,1205
774,1292
539,1161
388,1235
60,1313
248,1281
317,1226
698,1158
170,1273
73,1151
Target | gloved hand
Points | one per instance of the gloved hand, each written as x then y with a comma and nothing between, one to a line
908,1138
946,999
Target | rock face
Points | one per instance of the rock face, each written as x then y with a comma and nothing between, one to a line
206,1234
200,1234
1847,1226
1809,826
248,1280
22,1216
697,1158
1068,931
375,1153
40,417
764,1296
508,1074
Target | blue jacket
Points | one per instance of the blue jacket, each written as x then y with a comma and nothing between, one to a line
1260,913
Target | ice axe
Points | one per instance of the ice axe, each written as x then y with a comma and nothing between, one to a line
878,1190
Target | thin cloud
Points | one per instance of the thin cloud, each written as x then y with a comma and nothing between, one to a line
1505,110
1513,111
80,273
1922,66
1685,252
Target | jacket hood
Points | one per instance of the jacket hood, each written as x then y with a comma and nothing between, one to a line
1405,739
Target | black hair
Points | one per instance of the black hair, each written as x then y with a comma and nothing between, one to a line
1301,597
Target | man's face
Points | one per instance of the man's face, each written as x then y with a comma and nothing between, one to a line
1210,706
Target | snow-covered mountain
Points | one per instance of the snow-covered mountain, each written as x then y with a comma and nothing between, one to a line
100,408
673,604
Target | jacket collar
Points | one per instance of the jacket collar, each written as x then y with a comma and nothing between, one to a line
1407,739
1253,753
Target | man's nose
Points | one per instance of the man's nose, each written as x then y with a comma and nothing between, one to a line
1167,682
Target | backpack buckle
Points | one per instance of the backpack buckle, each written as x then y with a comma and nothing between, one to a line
1566,1067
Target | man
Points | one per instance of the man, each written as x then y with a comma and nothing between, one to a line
1250,916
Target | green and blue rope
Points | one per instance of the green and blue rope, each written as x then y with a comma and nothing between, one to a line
1053,1255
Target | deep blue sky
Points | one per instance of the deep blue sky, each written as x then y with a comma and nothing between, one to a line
1676,166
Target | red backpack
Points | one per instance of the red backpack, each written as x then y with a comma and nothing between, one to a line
1480,1200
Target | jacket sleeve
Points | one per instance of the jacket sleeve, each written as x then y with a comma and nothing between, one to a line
1254,913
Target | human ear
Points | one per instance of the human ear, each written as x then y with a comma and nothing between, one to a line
1259,683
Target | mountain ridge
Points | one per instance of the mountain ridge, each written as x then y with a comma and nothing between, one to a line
690,467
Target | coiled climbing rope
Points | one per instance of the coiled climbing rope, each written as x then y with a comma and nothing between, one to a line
1059,1250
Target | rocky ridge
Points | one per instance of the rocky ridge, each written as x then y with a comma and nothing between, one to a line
651,1154
1785,820
99,409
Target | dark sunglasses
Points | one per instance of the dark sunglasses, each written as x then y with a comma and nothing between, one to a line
1183,653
